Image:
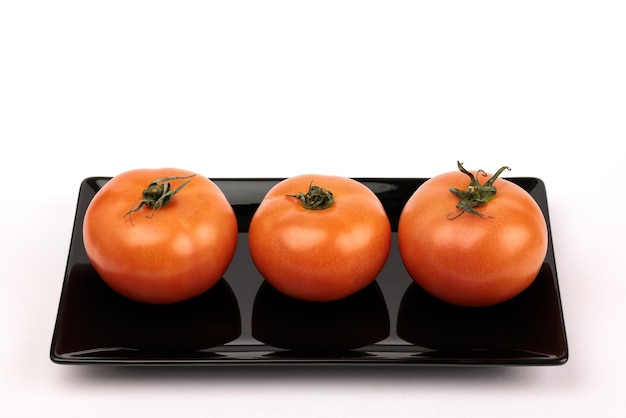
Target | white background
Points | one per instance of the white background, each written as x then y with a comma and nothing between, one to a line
278,88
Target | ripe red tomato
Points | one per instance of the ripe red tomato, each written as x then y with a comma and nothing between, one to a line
479,253
165,252
319,254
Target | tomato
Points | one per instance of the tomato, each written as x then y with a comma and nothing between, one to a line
165,252
326,252
477,251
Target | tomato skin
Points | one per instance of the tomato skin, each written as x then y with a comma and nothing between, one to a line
178,253
320,255
472,261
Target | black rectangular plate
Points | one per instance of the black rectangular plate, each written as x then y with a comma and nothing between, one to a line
243,321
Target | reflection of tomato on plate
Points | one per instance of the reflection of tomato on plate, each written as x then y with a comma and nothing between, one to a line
349,323
160,235
319,238
472,244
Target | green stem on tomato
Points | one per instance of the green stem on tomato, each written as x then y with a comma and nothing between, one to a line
157,195
316,198
475,194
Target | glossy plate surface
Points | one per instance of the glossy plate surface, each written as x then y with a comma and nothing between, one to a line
242,320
